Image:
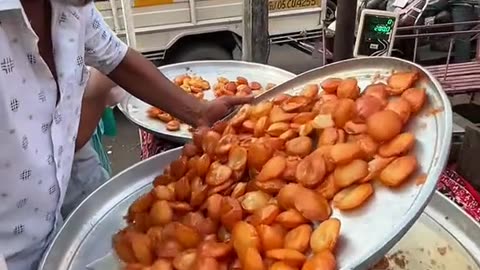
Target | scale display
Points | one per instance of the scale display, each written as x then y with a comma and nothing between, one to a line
375,33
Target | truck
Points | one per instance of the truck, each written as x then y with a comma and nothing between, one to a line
171,31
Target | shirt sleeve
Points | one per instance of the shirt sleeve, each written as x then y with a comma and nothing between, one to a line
103,49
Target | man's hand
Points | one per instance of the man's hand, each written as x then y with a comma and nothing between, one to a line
219,108
115,96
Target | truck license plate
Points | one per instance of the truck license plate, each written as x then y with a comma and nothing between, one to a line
275,5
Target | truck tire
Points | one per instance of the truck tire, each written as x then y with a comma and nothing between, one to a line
199,51
331,11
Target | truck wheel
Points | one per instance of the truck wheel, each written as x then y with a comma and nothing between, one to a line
199,51
331,11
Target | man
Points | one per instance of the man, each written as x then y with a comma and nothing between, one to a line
44,47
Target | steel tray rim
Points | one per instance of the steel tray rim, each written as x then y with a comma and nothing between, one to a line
71,218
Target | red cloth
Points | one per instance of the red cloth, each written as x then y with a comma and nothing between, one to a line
151,145
450,184
456,188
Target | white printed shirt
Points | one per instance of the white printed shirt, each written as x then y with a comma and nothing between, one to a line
37,132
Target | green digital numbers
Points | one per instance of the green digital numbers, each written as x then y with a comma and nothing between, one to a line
382,29
380,25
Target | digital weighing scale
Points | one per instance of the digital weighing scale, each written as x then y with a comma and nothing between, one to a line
376,33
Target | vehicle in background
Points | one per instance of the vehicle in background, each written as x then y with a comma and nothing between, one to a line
431,17
170,31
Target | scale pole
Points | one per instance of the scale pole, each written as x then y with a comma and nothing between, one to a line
256,41
345,30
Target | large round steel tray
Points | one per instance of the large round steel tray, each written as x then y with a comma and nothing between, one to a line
136,110
367,233
86,235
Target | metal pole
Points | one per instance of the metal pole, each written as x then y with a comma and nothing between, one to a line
193,11
345,30
116,23
323,18
129,25
450,48
477,53
255,43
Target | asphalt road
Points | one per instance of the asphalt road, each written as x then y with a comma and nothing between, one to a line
124,149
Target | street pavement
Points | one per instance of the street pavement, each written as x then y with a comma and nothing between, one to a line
124,149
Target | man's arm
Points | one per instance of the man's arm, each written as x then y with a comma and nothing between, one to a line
134,73
93,105
143,80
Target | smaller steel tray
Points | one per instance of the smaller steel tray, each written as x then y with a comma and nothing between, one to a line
136,110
